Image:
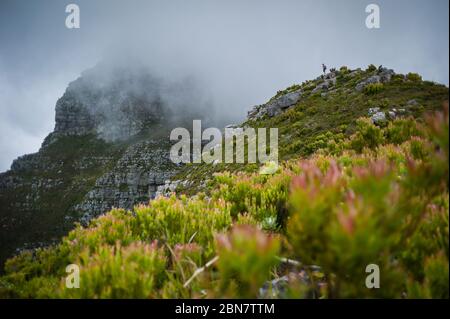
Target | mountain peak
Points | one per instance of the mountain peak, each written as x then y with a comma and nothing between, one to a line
115,104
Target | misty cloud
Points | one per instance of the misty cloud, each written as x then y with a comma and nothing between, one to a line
121,100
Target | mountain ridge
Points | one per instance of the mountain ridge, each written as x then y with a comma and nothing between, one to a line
83,170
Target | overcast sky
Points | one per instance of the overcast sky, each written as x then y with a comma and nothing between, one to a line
242,51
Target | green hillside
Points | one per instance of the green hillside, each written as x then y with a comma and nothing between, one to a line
354,188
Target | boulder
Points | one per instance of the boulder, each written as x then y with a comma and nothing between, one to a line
281,103
373,110
412,102
275,106
392,115
370,80
378,118
330,75
354,73
386,74
325,85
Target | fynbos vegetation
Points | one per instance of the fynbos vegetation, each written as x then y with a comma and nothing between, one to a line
350,191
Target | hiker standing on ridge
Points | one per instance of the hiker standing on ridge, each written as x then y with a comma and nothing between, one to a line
324,68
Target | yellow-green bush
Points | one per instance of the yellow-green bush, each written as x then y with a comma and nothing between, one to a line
344,220
402,130
414,77
371,68
373,88
134,271
181,221
261,196
367,135
344,70
246,257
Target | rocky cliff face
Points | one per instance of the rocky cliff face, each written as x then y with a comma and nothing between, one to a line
115,104
134,178
110,147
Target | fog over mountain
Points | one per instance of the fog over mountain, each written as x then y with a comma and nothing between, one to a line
221,57
118,101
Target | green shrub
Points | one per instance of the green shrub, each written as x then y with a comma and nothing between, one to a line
414,77
401,130
344,70
135,271
371,68
344,223
373,88
246,257
436,276
181,221
106,229
345,226
419,148
346,219
367,135
435,284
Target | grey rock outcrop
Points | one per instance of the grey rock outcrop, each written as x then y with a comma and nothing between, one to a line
412,102
354,73
326,82
325,85
378,117
383,75
371,80
386,74
276,106
170,187
373,110
281,103
134,179
72,117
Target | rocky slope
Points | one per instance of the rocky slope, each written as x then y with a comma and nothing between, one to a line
322,112
110,147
